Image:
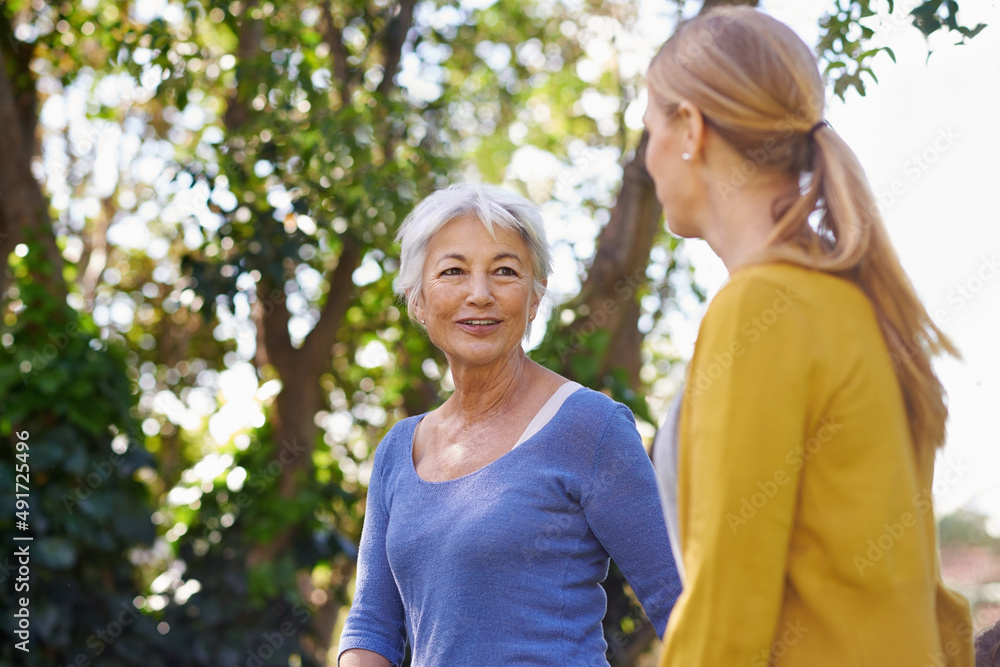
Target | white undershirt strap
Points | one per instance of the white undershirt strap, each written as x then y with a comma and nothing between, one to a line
548,411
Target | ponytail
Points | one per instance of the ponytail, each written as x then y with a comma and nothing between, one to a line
851,241
758,85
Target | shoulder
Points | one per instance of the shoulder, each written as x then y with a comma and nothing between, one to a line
762,286
595,406
780,284
590,433
397,443
784,297
592,418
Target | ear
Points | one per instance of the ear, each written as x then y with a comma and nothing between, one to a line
415,306
693,128
536,300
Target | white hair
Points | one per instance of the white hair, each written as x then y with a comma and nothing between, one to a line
492,206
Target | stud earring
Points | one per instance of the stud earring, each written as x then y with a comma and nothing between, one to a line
686,157
531,317
423,321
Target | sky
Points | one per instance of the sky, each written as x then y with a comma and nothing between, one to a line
927,135
924,135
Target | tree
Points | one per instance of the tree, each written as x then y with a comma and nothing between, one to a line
78,507
266,153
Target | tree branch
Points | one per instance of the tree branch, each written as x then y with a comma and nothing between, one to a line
625,242
395,37
272,320
334,39
317,345
95,255
251,32
608,298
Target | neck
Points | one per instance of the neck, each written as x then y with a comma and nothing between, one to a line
482,392
741,223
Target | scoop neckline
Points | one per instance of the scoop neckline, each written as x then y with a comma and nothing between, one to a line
496,461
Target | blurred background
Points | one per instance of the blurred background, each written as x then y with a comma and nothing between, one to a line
197,209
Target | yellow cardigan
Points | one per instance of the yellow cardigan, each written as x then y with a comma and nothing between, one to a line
805,517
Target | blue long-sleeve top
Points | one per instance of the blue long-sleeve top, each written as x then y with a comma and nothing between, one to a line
503,566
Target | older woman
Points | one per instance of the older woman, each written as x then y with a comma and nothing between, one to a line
806,433
490,520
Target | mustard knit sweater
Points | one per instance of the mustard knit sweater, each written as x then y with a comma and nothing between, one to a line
806,520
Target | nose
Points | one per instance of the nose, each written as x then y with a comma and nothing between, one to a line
480,290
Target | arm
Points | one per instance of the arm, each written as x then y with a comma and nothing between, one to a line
361,658
623,509
743,423
375,633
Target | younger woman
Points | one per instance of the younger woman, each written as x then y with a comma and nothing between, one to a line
803,446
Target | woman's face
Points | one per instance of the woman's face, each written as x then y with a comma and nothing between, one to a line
673,177
478,292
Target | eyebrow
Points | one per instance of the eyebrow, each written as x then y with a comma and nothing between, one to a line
497,257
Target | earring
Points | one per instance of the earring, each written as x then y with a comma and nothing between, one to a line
686,157
423,321
531,317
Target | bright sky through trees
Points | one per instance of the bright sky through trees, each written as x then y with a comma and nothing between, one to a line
924,133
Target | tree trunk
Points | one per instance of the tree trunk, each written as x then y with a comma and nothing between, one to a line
608,301
301,396
24,211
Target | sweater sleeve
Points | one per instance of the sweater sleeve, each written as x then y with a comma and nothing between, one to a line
376,621
743,423
623,509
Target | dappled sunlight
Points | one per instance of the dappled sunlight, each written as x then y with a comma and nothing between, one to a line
200,319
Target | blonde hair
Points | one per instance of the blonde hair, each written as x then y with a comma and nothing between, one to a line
758,87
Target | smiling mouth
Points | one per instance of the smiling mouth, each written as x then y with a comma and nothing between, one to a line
479,323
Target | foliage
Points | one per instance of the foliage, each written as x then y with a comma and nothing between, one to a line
966,528
846,36
262,157
271,618
87,510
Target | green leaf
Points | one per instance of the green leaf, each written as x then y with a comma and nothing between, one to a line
970,33
928,8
